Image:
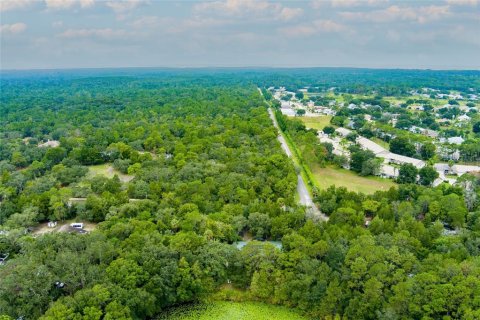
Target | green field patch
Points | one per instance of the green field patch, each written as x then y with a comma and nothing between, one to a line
317,123
227,310
108,171
381,142
325,177
395,100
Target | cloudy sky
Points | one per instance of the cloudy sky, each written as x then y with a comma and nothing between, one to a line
443,34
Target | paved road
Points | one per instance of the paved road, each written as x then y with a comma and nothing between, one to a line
303,193
280,137
302,190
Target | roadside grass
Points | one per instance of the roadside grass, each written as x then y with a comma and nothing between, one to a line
317,123
228,310
298,161
325,177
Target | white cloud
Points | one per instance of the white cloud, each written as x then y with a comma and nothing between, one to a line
329,26
106,33
356,3
235,7
59,4
290,13
463,2
193,25
396,13
6,5
298,31
66,4
317,26
86,3
316,4
198,22
429,13
249,8
121,7
13,28
145,22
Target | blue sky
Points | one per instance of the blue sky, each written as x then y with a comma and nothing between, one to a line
443,34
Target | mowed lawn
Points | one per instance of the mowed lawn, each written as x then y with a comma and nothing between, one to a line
325,177
226,310
316,122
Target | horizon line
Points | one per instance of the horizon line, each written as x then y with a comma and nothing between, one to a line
458,68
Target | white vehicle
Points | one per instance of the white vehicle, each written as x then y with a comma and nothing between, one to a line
77,225
52,224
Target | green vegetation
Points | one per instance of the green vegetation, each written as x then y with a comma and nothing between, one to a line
305,149
381,142
108,171
330,175
317,123
225,310
207,170
314,157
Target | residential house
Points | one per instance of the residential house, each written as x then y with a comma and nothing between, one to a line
400,159
463,117
460,170
431,133
49,143
457,169
387,171
416,107
455,140
343,131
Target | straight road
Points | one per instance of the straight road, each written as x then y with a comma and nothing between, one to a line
280,137
304,195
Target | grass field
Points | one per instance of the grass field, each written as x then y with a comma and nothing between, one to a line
316,122
325,177
395,100
381,142
225,310
108,171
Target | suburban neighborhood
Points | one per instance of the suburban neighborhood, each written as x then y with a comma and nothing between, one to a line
444,121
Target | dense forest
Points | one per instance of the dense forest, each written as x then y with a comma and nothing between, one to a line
197,166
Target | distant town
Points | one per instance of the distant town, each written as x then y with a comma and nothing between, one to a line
427,127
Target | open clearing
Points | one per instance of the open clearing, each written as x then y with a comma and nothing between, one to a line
62,226
108,171
316,122
226,310
325,177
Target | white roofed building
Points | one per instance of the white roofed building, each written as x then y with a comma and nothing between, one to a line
343,131
455,140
